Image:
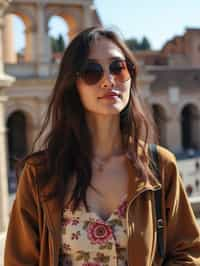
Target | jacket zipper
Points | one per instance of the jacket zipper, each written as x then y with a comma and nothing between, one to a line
127,212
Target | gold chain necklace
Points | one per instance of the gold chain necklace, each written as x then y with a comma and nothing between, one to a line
99,164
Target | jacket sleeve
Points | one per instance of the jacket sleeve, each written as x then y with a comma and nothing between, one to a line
183,232
22,242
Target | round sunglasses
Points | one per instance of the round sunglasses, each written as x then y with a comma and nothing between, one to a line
93,72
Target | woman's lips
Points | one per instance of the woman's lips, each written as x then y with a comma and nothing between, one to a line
110,95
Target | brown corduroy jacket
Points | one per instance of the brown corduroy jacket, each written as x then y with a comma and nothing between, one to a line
34,230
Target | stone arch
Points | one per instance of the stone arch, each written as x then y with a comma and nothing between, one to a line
17,134
35,16
190,126
27,109
31,118
17,144
160,118
57,47
23,12
28,19
71,16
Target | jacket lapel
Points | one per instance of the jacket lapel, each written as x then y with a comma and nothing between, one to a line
52,205
137,184
140,219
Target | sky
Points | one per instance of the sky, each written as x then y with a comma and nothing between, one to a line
158,20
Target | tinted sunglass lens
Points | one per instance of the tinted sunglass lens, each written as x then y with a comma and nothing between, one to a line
92,73
120,70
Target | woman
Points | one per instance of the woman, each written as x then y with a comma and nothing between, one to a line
88,197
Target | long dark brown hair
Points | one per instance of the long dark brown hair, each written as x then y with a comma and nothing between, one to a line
68,146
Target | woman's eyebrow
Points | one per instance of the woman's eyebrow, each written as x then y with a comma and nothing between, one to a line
92,60
117,58
110,59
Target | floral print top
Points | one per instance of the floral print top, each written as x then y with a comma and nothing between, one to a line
88,240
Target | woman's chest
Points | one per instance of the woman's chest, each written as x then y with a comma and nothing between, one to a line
108,188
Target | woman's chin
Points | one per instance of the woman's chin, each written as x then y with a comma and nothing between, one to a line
107,111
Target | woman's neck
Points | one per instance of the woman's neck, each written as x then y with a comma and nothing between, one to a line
106,135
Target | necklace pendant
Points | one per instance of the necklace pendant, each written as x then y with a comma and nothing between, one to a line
100,167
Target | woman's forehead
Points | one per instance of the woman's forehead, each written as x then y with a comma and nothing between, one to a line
104,48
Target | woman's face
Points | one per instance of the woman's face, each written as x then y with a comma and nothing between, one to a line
109,94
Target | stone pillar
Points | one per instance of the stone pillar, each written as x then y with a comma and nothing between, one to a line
43,42
3,169
196,130
5,81
31,46
9,52
173,141
87,15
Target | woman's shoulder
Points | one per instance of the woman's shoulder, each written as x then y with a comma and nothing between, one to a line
35,163
36,159
167,163
166,155
32,169
168,167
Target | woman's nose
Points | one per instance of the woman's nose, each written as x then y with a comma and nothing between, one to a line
107,80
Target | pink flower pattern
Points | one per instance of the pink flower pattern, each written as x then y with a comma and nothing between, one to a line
66,221
91,264
122,209
75,221
99,232
88,240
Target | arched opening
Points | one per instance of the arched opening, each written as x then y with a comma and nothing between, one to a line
17,144
190,127
58,33
19,36
159,116
14,39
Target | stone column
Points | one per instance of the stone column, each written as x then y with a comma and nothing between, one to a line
31,46
9,52
173,141
4,206
196,130
87,15
43,42
5,81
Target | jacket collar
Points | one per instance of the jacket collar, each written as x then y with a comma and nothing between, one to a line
137,184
